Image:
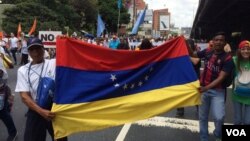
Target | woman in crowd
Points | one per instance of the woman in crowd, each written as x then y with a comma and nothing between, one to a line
145,44
241,89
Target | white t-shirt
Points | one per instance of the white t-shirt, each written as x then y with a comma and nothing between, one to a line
24,49
23,84
13,42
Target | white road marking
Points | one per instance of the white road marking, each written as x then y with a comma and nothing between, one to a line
123,132
177,123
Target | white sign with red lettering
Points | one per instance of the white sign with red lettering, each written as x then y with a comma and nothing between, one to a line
49,38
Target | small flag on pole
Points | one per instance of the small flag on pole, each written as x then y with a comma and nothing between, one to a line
139,21
119,4
33,28
19,30
100,26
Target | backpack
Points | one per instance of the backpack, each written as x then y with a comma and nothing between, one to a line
45,90
241,88
229,79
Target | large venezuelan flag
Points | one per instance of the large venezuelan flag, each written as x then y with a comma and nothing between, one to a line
99,88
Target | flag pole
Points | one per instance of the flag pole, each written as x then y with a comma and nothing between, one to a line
134,13
118,21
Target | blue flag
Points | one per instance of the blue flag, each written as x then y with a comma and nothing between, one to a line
139,21
100,26
119,4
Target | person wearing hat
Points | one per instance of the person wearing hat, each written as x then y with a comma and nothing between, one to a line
28,76
24,50
241,101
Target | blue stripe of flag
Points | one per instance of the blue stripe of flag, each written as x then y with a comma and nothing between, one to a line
77,86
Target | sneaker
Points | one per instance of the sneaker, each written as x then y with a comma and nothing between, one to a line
12,137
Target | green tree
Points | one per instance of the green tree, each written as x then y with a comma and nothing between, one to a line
67,15
26,11
87,9
58,14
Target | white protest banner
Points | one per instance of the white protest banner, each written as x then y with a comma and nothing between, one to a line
49,38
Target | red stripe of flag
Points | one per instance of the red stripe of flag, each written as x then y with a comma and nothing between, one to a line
85,56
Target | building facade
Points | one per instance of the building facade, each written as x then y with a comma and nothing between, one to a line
156,22
134,7
161,21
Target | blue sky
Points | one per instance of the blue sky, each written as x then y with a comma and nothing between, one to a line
182,11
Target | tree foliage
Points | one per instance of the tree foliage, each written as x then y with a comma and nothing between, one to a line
26,16
58,14
87,9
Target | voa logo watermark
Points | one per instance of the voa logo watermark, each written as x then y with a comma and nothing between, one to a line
236,132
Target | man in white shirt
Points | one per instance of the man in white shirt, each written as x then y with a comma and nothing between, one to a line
28,76
24,49
13,43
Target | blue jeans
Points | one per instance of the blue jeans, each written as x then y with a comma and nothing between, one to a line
241,113
214,99
7,119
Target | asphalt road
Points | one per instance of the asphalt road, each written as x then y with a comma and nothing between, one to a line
164,127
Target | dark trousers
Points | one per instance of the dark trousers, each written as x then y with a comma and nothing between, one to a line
24,59
36,127
7,119
13,52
